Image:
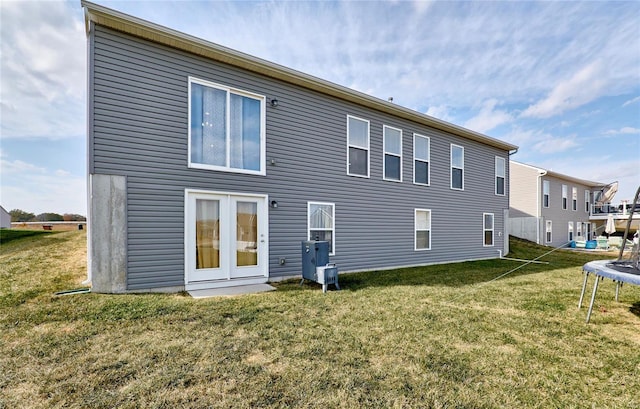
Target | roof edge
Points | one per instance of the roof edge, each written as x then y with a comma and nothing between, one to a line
119,21
558,175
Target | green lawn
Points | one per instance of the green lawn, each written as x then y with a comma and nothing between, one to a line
438,336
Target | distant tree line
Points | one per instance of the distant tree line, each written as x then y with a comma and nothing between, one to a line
18,215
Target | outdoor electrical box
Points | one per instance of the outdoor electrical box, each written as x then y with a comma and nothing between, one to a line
316,266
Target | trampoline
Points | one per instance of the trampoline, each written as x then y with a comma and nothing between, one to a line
619,272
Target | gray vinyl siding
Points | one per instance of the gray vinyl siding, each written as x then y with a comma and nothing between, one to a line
138,122
561,217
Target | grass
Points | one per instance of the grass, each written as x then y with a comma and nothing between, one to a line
438,336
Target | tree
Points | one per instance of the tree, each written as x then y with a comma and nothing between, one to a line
18,215
49,217
72,217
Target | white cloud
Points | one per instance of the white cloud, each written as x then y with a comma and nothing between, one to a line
488,117
625,130
551,144
43,70
440,112
631,101
583,87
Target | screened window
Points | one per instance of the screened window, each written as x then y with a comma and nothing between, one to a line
488,229
587,195
548,231
570,233
358,146
392,153
500,175
321,223
422,229
574,199
226,128
564,197
545,193
457,167
421,154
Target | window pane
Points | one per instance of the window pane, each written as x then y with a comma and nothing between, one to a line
320,216
421,172
208,125
457,156
488,238
488,221
421,148
423,220
245,132
323,235
247,234
392,167
358,161
358,133
500,165
392,141
500,186
422,239
456,178
207,234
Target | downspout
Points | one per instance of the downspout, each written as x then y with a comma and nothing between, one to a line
541,173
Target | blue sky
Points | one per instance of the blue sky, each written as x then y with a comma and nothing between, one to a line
559,79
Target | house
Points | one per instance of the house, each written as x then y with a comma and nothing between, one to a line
551,208
208,167
5,219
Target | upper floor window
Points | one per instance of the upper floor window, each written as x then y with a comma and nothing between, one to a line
421,156
488,229
392,153
587,196
226,128
564,197
422,229
457,167
574,198
320,223
545,193
358,146
500,175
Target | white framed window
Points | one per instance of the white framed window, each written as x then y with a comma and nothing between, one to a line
321,223
548,231
579,230
421,159
457,167
357,146
422,229
501,175
564,197
570,231
545,193
226,128
587,196
487,227
574,199
392,146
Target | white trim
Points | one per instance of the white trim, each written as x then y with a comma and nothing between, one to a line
504,176
451,167
333,229
263,127
415,229
492,229
385,153
427,161
349,145
225,274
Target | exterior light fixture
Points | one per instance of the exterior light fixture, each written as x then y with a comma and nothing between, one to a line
274,102
274,204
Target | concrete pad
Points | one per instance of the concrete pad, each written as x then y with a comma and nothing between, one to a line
231,291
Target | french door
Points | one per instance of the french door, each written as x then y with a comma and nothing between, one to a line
225,237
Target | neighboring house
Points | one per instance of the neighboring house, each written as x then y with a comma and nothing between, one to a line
208,167
550,208
5,219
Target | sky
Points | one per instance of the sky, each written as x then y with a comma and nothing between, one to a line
559,79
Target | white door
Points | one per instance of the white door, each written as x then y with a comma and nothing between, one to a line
225,237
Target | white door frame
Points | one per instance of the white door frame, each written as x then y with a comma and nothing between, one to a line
226,275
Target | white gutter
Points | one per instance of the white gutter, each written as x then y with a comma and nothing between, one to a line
541,173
